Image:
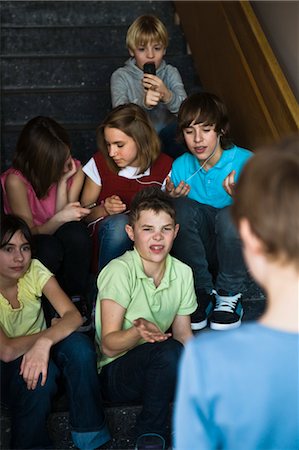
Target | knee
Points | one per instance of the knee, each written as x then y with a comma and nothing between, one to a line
77,350
169,354
224,226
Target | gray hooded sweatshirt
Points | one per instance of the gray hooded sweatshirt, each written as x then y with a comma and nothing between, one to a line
126,87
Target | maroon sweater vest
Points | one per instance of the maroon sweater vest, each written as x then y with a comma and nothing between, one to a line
126,188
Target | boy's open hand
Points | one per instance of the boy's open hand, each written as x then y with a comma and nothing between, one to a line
229,183
149,331
181,190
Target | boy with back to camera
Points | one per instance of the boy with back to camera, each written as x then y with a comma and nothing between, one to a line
158,90
141,295
241,389
208,241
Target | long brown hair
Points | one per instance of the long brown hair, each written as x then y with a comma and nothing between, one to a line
133,121
42,150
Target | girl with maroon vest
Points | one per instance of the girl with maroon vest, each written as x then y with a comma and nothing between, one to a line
128,160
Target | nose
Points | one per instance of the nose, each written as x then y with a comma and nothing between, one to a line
158,236
112,151
197,135
149,53
18,255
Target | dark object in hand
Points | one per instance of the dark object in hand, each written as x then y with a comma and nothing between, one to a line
149,68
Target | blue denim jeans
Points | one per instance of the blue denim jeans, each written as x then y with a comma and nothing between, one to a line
208,240
74,358
113,238
145,374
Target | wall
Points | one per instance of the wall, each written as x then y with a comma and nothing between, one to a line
280,23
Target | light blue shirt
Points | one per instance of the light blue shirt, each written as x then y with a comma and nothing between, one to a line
206,186
239,390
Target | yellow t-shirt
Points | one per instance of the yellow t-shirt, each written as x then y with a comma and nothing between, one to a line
29,317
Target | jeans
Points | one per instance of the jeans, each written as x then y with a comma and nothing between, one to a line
113,239
74,358
208,239
145,374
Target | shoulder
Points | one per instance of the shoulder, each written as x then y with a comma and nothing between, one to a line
240,152
184,160
164,159
15,179
181,268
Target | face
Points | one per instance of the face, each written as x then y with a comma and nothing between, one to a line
15,257
202,140
121,147
153,235
152,52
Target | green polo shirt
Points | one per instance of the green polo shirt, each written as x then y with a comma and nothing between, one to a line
123,280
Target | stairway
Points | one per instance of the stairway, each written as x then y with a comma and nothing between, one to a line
57,59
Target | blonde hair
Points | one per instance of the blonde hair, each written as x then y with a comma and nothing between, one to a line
267,195
146,29
133,121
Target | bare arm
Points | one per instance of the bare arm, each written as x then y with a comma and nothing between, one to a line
18,201
65,193
181,329
114,339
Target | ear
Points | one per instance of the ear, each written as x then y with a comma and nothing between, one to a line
250,240
130,232
131,53
176,230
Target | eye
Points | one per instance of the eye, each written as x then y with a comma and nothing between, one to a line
26,248
158,48
168,228
188,131
140,49
7,248
147,229
120,145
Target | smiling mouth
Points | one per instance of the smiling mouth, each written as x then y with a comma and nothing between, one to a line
156,248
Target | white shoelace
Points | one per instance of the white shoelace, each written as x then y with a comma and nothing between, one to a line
225,303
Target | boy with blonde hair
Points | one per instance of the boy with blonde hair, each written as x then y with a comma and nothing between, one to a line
159,93
240,389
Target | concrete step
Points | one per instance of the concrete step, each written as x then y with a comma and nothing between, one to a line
87,40
76,72
81,13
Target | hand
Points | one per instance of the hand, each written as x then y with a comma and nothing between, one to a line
35,363
72,169
154,83
149,331
114,205
229,183
72,212
151,98
181,190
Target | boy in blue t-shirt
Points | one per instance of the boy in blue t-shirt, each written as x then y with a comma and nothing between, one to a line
203,181
241,389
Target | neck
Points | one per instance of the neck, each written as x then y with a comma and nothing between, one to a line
282,289
154,270
213,159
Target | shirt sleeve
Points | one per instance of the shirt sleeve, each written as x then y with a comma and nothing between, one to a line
37,276
192,416
90,169
114,283
176,86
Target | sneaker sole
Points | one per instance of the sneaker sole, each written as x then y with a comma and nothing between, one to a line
224,326
199,325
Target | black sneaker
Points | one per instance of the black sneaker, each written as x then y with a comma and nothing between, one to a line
227,313
206,302
150,441
81,305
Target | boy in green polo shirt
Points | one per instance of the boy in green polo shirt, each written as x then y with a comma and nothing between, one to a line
142,295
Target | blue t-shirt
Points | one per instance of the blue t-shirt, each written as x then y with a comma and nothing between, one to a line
239,390
206,186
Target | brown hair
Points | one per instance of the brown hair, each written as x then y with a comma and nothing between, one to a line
151,198
133,121
267,195
146,29
42,150
208,109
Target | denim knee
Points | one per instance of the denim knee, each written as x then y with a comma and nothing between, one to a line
224,226
168,353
